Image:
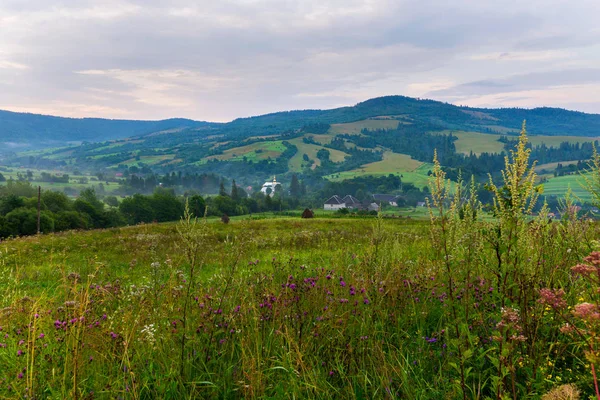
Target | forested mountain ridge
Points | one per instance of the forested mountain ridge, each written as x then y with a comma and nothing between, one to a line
386,135
25,130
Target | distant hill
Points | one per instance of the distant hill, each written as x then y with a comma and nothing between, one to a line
24,130
542,121
386,135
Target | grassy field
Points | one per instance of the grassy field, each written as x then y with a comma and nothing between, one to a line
483,142
552,166
476,142
149,160
255,152
555,141
326,308
558,186
358,126
297,161
412,171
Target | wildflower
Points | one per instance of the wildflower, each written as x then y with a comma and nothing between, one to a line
19,353
586,311
366,301
594,258
583,269
342,283
567,328
41,336
331,373
113,335
553,298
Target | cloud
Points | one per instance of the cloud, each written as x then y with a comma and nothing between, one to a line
217,60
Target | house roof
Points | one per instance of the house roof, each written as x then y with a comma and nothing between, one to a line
350,200
335,199
385,197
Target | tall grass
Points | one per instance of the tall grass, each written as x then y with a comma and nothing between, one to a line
459,307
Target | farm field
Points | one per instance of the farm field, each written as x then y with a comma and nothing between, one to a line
270,308
296,162
358,126
255,151
476,142
552,166
412,171
149,160
76,182
558,186
483,142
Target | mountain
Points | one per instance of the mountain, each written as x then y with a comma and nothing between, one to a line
24,130
386,135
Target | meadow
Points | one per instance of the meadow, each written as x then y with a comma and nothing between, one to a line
297,162
454,307
412,171
478,143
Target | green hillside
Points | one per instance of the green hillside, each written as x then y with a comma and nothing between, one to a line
388,135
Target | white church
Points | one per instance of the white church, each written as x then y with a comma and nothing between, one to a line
270,185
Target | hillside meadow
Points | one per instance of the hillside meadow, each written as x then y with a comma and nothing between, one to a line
459,306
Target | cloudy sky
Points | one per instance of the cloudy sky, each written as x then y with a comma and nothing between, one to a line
220,59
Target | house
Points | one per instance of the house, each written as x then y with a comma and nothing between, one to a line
337,203
421,204
391,199
351,202
334,203
369,206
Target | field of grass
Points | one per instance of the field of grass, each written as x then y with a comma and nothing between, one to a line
326,308
358,126
476,142
149,160
297,161
255,152
412,171
482,142
552,166
558,186
555,141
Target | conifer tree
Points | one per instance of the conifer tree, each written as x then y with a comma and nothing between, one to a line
235,195
295,190
222,191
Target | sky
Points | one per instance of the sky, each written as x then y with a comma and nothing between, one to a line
217,60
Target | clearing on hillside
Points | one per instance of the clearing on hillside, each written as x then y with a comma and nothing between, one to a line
552,166
478,143
358,126
297,162
412,171
558,186
253,152
149,160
